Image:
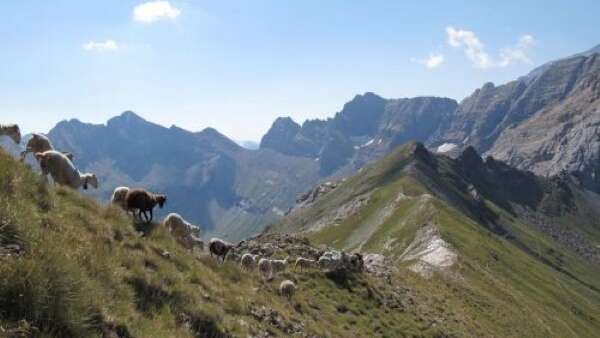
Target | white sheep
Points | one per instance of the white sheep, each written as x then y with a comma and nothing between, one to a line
304,263
264,266
39,143
118,197
185,233
63,171
11,130
248,261
287,288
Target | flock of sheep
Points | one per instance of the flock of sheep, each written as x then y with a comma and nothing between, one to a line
57,164
141,203
188,235
267,267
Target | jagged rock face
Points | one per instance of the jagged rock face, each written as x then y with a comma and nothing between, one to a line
545,122
478,116
414,119
490,111
361,115
481,118
367,128
564,136
281,136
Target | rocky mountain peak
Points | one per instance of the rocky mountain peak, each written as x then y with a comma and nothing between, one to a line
127,118
361,115
280,136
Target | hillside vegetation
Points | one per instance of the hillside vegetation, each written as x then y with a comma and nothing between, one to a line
70,267
514,254
73,268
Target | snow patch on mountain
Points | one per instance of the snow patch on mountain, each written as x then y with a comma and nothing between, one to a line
446,147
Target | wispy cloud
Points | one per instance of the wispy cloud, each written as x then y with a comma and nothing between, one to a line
517,53
100,46
475,49
153,11
433,61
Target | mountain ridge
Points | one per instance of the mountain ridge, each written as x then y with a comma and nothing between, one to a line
493,120
500,231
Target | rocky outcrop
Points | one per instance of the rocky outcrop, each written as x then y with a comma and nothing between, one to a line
560,137
281,137
312,195
546,122
429,253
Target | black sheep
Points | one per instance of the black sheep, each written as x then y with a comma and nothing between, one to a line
143,202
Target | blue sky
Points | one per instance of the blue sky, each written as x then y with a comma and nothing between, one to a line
237,65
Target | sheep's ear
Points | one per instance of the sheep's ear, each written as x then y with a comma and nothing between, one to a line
39,156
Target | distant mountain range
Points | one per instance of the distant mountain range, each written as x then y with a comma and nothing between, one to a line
546,122
208,178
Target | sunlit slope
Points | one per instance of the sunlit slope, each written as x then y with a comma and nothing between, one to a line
526,248
70,267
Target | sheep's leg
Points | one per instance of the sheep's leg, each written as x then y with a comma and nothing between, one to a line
151,215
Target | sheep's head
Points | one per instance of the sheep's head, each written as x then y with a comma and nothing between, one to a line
90,179
161,200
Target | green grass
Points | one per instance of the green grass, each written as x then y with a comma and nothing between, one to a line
85,269
524,285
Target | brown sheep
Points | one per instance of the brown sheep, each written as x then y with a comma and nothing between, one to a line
219,247
143,202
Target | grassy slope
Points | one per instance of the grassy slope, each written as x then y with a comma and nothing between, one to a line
84,268
528,286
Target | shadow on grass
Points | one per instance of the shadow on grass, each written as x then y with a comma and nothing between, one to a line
145,228
150,298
